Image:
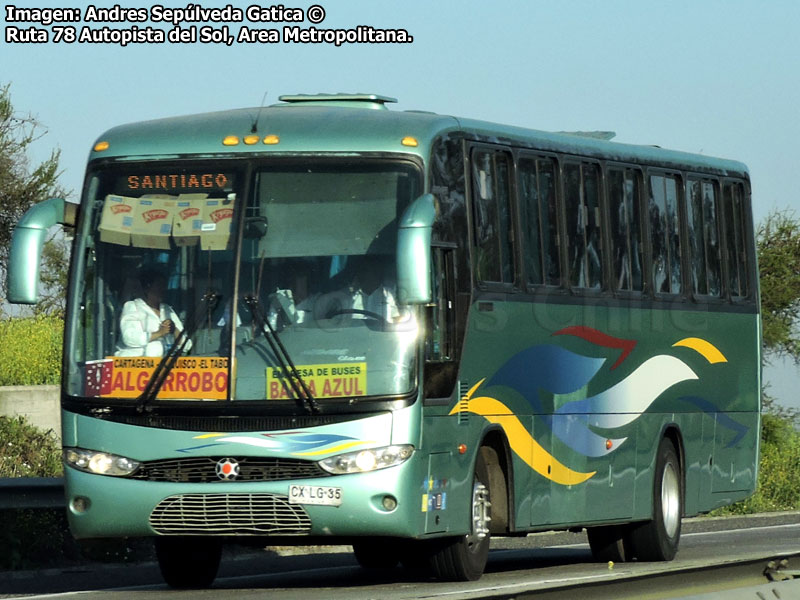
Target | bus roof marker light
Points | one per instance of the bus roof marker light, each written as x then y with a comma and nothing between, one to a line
409,141
230,140
100,146
462,448
271,139
251,139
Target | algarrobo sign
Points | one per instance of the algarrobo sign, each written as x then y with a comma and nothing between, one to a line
193,378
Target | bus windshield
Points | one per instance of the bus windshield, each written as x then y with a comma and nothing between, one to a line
160,252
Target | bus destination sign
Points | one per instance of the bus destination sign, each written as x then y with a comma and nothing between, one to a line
175,183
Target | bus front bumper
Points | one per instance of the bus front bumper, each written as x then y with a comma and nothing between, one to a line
379,503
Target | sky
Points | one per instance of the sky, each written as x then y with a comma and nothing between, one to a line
721,78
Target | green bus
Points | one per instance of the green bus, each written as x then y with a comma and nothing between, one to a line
328,322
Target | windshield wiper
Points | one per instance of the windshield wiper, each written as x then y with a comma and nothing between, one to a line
170,358
296,383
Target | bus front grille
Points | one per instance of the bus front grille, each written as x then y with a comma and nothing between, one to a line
203,469
229,514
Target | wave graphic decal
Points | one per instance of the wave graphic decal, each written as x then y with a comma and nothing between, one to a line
599,338
296,443
546,367
519,438
617,406
565,375
704,348
721,418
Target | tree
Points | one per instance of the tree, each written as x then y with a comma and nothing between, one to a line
23,185
778,241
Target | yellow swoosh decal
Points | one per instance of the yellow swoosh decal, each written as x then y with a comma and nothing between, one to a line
706,349
522,443
208,435
338,448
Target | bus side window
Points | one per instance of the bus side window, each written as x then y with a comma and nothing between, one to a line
733,208
703,239
664,220
493,229
440,367
624,199
537,198
582,208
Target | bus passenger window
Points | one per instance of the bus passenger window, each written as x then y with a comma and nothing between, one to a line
703,239
665,234
494,257
539,222
582,202
733,201
626,234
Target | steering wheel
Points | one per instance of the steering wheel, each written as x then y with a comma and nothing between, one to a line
355,311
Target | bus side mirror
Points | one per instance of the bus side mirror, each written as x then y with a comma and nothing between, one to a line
26,247
414,251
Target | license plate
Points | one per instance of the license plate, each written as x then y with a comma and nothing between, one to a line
315,494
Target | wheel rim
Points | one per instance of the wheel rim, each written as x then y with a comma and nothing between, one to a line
670,500
480,514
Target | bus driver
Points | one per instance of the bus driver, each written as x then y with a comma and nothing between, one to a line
148,326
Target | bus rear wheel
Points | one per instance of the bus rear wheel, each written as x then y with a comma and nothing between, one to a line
657,540
464,558
187,562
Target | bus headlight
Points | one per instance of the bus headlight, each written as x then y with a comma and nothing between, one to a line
99,463
363,461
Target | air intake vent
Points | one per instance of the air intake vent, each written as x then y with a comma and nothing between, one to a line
463,403
229,514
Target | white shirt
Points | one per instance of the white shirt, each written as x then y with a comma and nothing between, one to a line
138,322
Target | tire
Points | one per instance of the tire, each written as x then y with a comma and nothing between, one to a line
657,540
188,562
464,558
609,543
377,553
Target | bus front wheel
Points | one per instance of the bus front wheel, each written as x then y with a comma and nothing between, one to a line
188,562
657,540
464,558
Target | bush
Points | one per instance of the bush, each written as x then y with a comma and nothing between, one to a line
26,451
31,538
30,350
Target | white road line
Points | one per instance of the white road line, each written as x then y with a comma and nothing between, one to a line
764,527
537,582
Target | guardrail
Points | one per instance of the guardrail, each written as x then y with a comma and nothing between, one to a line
32,492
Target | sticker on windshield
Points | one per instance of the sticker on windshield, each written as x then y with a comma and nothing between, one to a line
335,380
153,221
193,377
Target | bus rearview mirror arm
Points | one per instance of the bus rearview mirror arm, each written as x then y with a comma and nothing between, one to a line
26,247
414,251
